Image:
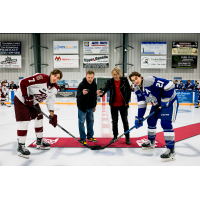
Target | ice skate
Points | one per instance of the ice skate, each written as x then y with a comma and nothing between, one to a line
41,144
168,155
22,151
149,144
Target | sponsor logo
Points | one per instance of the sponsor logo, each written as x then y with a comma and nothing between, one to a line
176,58
9,61
58,58
95,59
39,77
50,141
86,44
143,140
145,61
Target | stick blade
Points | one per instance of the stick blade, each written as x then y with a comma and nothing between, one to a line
98,147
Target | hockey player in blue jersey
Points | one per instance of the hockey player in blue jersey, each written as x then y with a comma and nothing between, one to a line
181,85
198,100
189,85
158,92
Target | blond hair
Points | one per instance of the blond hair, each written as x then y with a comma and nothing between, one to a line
118,71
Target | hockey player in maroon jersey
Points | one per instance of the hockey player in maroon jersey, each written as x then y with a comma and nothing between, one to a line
3,93
32,91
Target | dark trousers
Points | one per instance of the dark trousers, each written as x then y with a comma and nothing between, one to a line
123,110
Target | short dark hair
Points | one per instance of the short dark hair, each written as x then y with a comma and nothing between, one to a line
57,71
89,72
134,74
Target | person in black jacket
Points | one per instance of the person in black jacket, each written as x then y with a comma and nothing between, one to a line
86,103
120,93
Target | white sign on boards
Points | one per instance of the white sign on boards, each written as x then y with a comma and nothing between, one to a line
66,61
149,62
65,47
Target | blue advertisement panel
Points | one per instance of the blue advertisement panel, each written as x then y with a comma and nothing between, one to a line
153,47
185,97
10,48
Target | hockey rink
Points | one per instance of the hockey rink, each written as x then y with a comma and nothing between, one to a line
187,150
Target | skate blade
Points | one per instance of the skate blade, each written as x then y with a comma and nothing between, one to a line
23,156
145,148
168,159
43,148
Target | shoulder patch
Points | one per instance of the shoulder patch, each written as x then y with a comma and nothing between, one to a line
39,77
149,81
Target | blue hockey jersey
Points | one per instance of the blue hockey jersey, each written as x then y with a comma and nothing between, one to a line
189,86
181,86
152,91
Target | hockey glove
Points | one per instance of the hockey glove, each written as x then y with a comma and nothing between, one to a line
28,101
138,122
53,122
165,102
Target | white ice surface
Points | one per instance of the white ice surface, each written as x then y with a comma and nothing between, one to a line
187,151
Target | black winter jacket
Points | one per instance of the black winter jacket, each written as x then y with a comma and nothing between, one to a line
83,100
125,90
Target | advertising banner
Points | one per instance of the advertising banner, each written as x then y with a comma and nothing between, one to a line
65,47
10,48
149,62
10,62
95,47
66,61
184,48
185,97
95,61
183,61
153,47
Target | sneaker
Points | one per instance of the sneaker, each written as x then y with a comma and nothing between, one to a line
168,155
128,139
84,142
22,151
149,144
92,139
41,144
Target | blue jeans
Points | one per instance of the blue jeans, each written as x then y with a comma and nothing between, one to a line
88,115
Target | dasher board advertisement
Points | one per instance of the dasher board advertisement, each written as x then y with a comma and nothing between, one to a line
149,62
10,62
66,61
95,61
65,47
153,47
95,47
184,48
184,61
10,48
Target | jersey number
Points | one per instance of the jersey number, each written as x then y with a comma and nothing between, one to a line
159,84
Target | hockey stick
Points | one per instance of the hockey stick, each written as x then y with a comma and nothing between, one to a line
99,148
90,147
6,105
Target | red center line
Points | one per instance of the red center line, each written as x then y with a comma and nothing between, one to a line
106,131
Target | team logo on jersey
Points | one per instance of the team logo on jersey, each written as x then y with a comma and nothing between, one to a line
40,97
151,99
39,77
